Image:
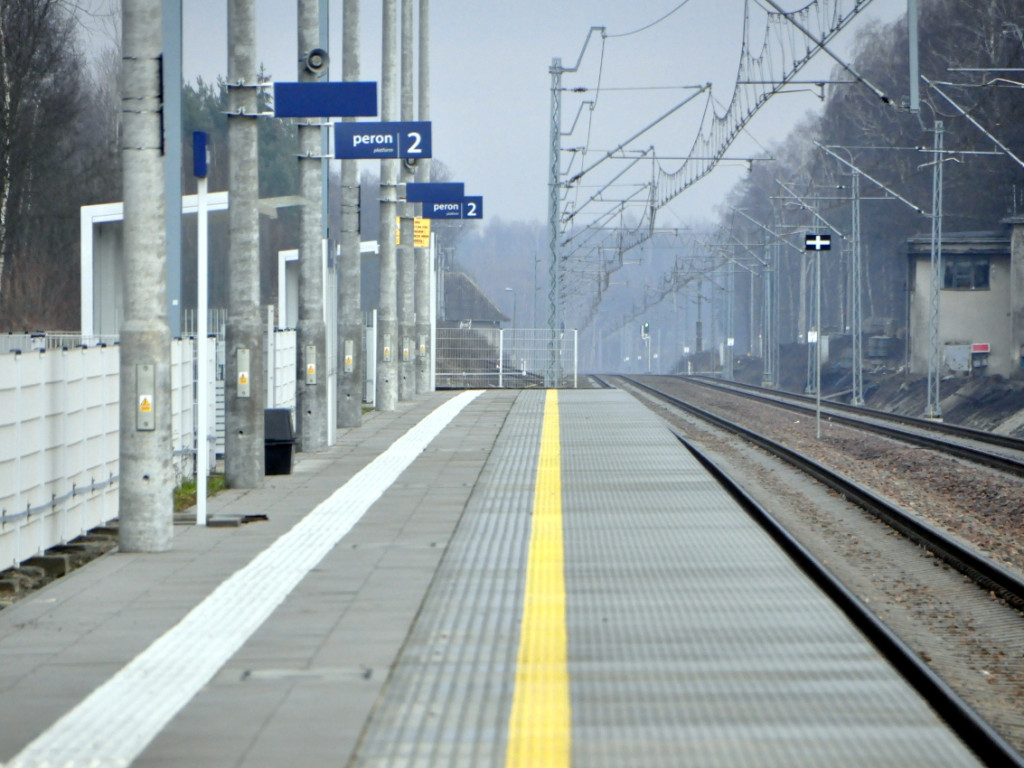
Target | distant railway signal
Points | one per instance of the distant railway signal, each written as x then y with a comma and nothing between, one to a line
817,242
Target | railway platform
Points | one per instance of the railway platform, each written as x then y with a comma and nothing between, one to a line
476,579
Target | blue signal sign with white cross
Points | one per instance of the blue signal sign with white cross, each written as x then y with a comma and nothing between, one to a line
817,242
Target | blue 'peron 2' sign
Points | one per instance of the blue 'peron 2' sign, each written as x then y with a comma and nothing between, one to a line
368,141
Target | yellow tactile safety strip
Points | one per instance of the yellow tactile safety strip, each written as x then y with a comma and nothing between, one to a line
540,724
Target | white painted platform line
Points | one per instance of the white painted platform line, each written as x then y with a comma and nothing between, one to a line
114,724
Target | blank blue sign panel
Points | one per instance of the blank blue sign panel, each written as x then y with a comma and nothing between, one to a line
326,99
200,139
435,192
355,141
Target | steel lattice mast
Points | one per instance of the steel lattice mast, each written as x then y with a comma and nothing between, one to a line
934,338
554,185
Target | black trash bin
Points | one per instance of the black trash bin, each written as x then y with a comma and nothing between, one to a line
278,441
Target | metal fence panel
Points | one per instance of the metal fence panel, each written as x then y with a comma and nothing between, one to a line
482,357
58,447
59,441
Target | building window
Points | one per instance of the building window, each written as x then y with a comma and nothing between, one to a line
965,273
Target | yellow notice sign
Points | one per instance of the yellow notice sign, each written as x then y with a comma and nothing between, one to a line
420,232
145,403
311,370
243,378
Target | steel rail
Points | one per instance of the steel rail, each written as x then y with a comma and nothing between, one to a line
986,573
835,411
976,733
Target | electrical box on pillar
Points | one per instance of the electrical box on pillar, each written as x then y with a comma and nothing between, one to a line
244,376
310,365
145,388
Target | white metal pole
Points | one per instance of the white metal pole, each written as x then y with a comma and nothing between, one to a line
501,356
203,374
575,358
432,352
817,345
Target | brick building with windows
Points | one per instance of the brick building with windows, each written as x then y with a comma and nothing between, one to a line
981,304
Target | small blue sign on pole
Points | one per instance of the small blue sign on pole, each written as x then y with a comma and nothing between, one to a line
327,99
199,158
434,192
467,208
362,141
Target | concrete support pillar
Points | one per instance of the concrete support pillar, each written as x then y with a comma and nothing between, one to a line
406,255
244,396
350,314
311,358
388,340
424,352
146,484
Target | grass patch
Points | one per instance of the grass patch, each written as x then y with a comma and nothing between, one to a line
185,494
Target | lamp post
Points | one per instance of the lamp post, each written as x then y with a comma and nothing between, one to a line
513,292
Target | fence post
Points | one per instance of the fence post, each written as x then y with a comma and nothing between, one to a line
501,356
575,357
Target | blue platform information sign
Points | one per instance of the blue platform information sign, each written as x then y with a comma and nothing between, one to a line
467,208
328,99
355,141
473,207
435,192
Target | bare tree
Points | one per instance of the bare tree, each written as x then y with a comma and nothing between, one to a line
56,147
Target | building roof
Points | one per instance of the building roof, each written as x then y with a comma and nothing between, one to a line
465,300
992,243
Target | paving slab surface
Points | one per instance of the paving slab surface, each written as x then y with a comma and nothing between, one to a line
375,617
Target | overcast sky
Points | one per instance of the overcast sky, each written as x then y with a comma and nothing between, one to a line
490,89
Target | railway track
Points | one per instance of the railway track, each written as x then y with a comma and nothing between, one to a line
987,574
966,630
981,737
1001,452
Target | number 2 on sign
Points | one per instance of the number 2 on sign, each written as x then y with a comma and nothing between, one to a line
414,148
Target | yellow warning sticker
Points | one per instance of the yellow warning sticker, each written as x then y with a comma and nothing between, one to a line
348,359
311,370
243,378
420,232
145,403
